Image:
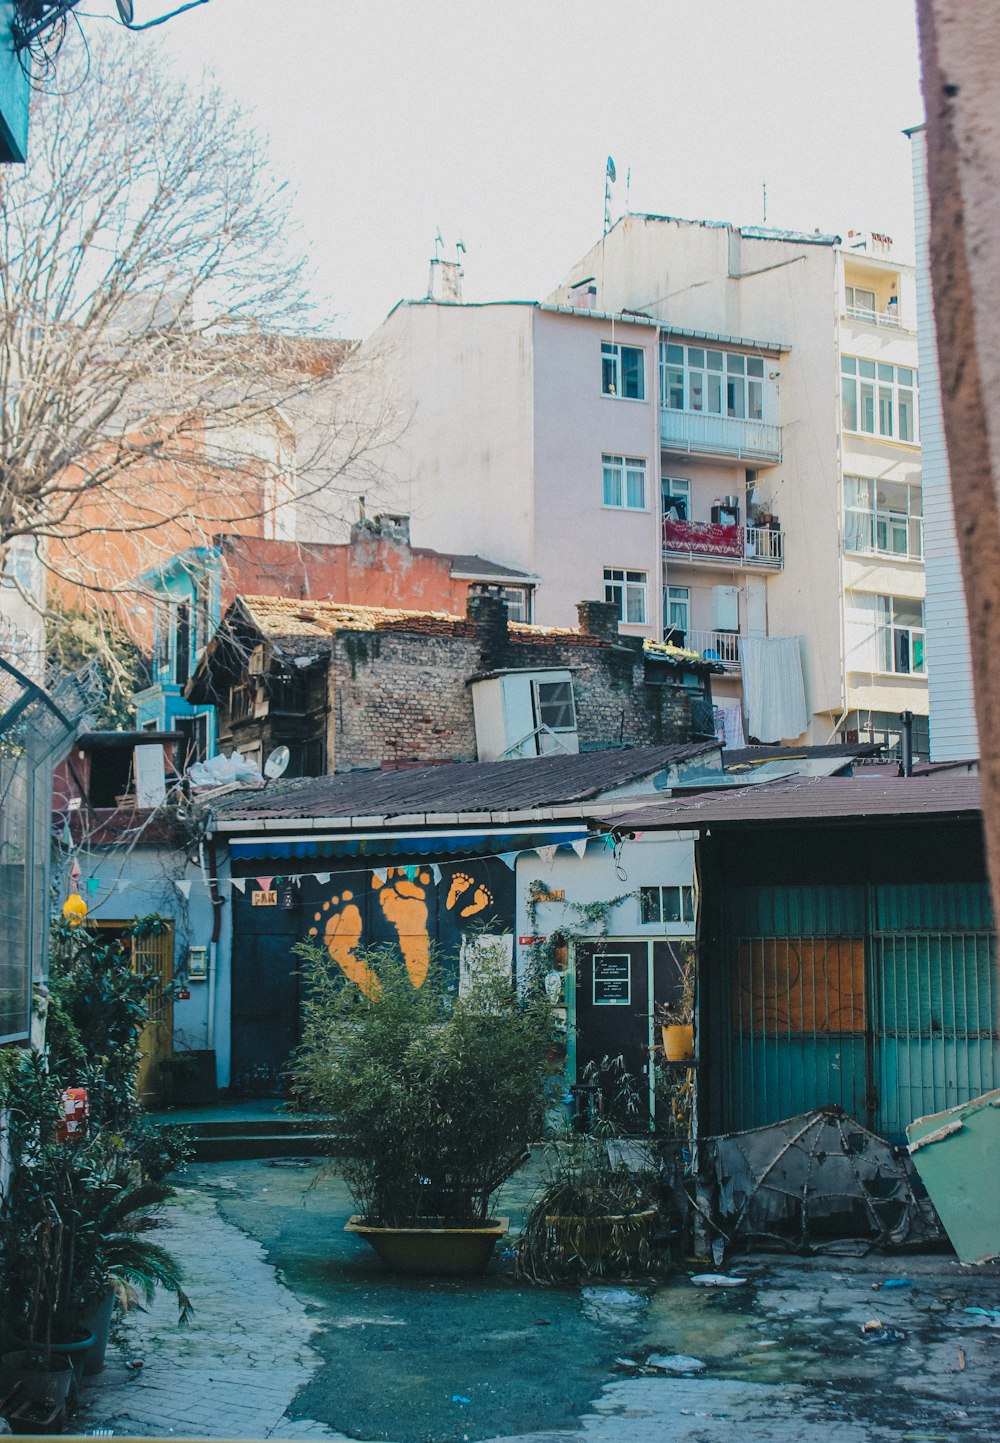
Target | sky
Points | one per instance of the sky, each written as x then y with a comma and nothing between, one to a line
491,121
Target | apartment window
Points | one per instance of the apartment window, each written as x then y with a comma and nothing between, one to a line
554,705
625,482
883,517
885,728
162,627
860,301
627,590
901,635
676,498
623,371
677,612
878,399
716,383
666,904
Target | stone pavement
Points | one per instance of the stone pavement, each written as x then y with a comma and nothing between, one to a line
233,1370
301,1333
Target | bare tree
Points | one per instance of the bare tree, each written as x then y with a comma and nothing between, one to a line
161,377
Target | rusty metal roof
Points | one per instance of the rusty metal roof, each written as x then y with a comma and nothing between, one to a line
456,787
808,799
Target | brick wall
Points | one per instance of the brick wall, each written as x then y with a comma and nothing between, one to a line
396,697
399,696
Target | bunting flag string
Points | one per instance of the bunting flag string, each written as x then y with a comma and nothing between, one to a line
546,852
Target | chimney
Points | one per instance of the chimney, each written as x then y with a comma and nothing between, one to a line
487,613
906,744
445,283
598,618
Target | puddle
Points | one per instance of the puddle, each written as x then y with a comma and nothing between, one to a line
620,1306
736,1337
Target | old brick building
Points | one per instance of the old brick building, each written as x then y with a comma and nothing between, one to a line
345,687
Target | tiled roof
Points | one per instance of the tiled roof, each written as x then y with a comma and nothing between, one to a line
279,617
809,799
457,787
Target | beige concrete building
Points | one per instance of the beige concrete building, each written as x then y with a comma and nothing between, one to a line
713,426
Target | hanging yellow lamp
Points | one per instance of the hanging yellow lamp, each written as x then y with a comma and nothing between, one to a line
74,909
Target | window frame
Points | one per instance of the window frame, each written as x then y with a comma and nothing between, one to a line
623,468
629,583
891,636
538,704
869,517
683,602
685,905
712,381
613,370
684,495
878,393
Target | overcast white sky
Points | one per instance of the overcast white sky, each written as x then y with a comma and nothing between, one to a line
493,119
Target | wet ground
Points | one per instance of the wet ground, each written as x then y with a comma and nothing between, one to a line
375,1357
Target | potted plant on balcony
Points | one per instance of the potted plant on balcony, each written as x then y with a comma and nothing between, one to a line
432,1099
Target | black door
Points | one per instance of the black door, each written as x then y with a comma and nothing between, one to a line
266,1004
613,1026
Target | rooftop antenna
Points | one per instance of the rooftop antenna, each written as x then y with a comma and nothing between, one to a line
609,179
438,243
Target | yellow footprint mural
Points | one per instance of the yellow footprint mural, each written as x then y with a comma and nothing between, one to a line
405,902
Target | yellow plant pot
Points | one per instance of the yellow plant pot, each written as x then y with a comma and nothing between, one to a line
678,1042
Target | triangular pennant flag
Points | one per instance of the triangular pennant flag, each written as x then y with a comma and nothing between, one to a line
74,871
264,883
410,873
579,846
509,859
92,886
67,835
322,877
240,883
547,853
436,874
609,841
380,873
184,888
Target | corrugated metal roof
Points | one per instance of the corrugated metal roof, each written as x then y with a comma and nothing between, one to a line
808,799
749,756
477,568
685,333
456,787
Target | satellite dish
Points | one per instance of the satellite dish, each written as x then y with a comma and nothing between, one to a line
276,764
125,11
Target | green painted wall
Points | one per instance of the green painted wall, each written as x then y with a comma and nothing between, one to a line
14,91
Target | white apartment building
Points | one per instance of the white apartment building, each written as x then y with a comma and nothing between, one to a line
714,426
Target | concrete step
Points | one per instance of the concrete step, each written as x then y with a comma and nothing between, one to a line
227,1139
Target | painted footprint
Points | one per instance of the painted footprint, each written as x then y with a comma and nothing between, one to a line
341,935
404,904
460,884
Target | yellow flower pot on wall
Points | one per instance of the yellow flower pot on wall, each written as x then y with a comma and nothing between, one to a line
678,1042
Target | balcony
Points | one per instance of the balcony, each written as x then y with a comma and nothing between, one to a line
699,434
722,646
748,545
889,318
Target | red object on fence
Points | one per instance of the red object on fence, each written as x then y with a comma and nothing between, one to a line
75,1112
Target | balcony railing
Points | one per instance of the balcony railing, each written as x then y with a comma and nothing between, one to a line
696,432
754,545
889,317
721,646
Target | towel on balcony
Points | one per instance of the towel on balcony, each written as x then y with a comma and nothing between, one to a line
773,688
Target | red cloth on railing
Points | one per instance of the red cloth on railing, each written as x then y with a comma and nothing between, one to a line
704,538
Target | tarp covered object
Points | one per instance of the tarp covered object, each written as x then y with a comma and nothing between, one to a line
815,1179
956,1154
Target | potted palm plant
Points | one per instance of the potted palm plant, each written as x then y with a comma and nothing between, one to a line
432,1097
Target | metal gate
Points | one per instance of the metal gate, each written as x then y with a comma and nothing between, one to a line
881,1001
153,958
